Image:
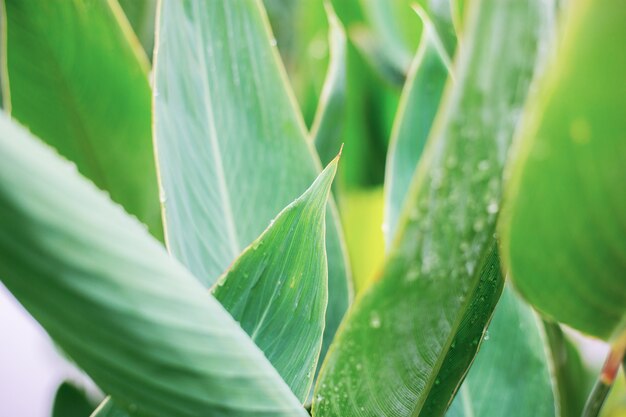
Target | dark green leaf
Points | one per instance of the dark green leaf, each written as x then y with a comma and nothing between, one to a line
510,375
78,80
565,219
441,281
69,401
130,315
277,289
232,148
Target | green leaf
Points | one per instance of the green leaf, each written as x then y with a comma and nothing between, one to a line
131,316
70,401
330,114
228,133
78,80
572,380
510,375
141,15
108,409
277,289
417,109
564,190
442,278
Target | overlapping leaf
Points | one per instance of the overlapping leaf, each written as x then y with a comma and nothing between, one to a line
77,79
418,106
563,228
330,114
277,289
232,148
130,315
510,376
441,282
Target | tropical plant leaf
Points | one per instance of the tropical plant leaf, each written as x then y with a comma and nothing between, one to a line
141,15
131,316
108,409
417,109
78,80
330,114
510,375
564,181
277,289
69,401
228,132
441,281
573,381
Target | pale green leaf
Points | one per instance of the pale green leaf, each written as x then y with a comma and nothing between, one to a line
77,79
130,315
565,219
417,109
277,289
510,375
442,279
232,148
330,113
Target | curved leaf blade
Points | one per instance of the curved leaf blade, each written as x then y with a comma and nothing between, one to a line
228,131
510,375
331,109
131,316
564,184
442,279
278,288
77,79
417,109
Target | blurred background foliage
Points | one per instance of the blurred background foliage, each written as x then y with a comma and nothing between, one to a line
382,37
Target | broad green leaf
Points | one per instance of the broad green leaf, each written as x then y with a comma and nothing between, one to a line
70,401
417,109
330,114
572,380
130,315
78,80
510,375
441,281
277,289
563,227
141,15
108,409
232,148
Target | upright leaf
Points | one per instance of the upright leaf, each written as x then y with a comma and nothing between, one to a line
78,79
330,114
130,315
564,223
141,15
278,291
232,147
430,306
510,376
69,401
417,109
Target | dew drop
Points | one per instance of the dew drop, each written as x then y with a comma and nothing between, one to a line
492,207
273,42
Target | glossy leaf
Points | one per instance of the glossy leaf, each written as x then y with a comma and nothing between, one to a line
565,182
164,346
441,282
78,79
69,401
418,106
228,133
510,375
277,289
330,114
108,409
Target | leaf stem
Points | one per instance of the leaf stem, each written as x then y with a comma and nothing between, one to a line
603,385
